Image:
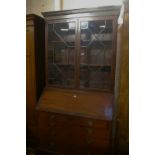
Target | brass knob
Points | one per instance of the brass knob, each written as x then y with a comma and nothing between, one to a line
74,96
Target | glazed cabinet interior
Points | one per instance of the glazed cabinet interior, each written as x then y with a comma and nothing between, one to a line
75,110
81,53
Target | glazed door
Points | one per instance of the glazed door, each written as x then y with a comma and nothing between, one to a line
96,53
81,53
61,55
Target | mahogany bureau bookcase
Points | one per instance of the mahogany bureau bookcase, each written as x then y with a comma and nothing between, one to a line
75,110
35,71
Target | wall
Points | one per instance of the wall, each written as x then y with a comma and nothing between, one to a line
75,4
38,6
28,6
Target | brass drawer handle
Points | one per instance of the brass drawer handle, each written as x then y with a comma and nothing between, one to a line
74,96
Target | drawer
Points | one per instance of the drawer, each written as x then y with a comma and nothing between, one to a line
98,144
74,138
45,119
77,145
96,152
73,134
87,132
53,138
47,152
56,145
88,152
87,122
59,147
77,135
89,142
59,119
59,132
91,146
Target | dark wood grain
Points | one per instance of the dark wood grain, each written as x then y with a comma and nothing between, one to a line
35,71
65,134
73,119
86,104
122,98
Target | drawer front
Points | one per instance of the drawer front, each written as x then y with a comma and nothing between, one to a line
87,132
58,143
66,133
88,152
86,122
60,119
46,152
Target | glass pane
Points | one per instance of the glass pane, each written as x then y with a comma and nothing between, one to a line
96,54
61,54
